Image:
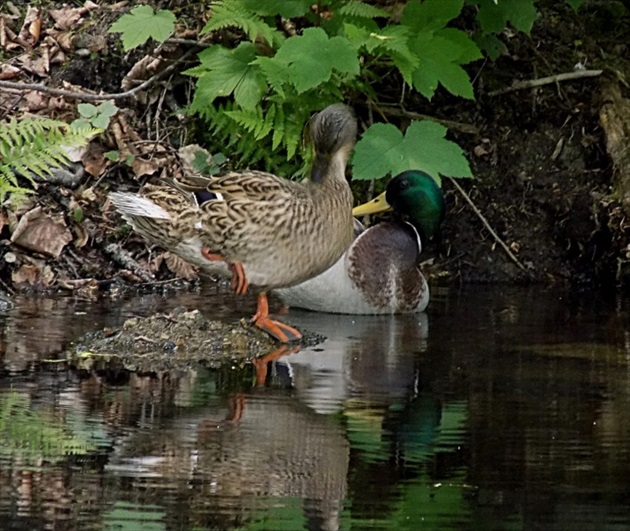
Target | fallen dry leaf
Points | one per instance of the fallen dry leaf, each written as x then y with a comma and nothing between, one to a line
34,101
8,71
93,160
82,236
88,194
42,233
180,267
26,274
142,167
31,29
63,39
67,17
37,64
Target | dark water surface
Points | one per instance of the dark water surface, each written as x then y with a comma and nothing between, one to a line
501,409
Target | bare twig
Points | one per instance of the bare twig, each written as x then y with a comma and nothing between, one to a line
531,83
395,110
85,96
487,225
122,257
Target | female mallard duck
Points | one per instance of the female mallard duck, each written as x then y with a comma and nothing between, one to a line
379,273
262,229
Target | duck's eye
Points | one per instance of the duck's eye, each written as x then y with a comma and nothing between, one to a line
404,184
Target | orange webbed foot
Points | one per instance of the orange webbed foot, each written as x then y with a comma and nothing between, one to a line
282,332
239,283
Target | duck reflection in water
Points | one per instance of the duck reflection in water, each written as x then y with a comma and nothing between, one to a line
273,446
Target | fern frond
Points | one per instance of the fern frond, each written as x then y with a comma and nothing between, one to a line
232,13
358,9
36,146
250,120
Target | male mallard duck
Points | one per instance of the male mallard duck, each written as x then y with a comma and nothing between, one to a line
267,231
379,273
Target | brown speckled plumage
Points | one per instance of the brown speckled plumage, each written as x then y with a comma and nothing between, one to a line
282,232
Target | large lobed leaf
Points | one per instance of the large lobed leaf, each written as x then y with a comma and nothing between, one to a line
383,149
141,24
440,51
224,72
310,59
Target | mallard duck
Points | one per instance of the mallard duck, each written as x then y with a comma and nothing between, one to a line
379,273
261,229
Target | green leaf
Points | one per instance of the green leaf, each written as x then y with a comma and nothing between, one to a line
101,121
87,110
77,214
384,150
284,8
468,51
491,44
219,159
80,123
359,36
430,14
224,72
440,57
275,73
141,23
311,58
493,16
108,109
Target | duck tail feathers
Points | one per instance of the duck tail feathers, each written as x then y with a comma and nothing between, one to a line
129,204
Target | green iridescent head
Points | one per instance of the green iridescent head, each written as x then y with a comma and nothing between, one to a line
414,195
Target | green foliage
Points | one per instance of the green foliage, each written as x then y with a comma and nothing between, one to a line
95,116
208,165
31,436
235,13
257,101
141,23
356,8
224,72
308,60
384,149
36,146
258,95
493,16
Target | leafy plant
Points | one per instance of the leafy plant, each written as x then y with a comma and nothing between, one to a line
95,116
36,146
266,96
208,165
142,23
384,149
257,95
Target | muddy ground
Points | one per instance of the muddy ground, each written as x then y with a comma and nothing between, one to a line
545,181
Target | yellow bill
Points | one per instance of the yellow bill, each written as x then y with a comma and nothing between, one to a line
378,204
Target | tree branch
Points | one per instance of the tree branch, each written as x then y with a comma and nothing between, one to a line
531,83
